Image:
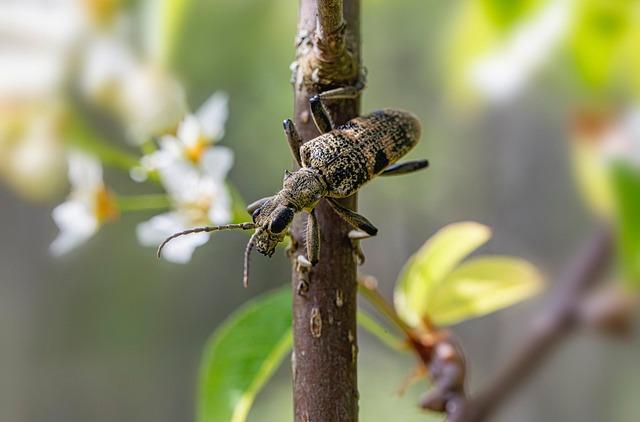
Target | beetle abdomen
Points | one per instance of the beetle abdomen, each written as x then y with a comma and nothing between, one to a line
354,153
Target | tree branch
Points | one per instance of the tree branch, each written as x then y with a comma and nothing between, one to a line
330,19
324,359
556,322
327,44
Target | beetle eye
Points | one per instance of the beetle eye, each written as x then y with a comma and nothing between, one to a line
281,220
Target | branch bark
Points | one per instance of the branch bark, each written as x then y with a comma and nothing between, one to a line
556,322
324,359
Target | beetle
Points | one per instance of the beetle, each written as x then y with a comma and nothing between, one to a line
334,165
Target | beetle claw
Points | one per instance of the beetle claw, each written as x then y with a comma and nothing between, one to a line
302,267
303,263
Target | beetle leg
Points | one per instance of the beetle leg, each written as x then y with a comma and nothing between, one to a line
294,139
291,248
404,168
303,267
353,218
313,238
343,93
320,116
319,112
356,236
257,204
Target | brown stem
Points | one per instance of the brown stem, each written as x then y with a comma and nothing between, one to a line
557,321
329,17
324,317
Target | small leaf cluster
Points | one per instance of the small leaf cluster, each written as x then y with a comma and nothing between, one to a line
436,288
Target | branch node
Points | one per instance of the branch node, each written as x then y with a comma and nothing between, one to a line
323,56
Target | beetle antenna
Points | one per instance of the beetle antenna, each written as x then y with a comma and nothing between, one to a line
247,254
206,229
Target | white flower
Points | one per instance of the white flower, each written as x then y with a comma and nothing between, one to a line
106,63
199,196
195,135
37,38
32,155
32,152
148,99
158,228
503,73
152,102
87,208
212,115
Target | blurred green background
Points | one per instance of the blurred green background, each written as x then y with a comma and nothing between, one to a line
110,333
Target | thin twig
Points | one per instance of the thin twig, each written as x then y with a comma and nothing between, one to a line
438,351
380,332
143,202
556,322
366,286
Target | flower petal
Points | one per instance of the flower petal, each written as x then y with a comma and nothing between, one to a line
189,130
217,161
158,228
213,115
85,171
76,223
106,63
152,102
170,153
36,42
180,250
37,167
220,211
179,179
172,146
152,232
139,174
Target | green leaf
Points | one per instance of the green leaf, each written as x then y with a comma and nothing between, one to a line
626,182
598,39
481,286
242,355
480,26
591,172
631,54
506,13
427,269
472,34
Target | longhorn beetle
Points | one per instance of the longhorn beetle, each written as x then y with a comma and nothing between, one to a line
334,165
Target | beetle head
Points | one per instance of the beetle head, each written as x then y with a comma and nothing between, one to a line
273,218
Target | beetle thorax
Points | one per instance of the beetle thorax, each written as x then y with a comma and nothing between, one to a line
302,189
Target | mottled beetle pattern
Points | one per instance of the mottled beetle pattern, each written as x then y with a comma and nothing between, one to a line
354,153
333,165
